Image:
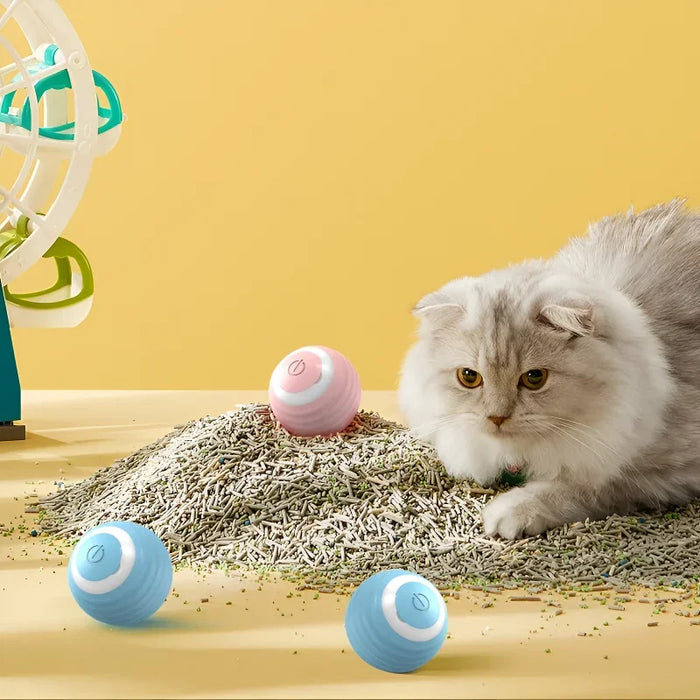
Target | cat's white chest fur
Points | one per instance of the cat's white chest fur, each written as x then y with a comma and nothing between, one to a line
482,458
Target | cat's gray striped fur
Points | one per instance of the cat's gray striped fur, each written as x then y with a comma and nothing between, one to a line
615,319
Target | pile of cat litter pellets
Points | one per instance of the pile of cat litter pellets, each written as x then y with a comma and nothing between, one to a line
237,490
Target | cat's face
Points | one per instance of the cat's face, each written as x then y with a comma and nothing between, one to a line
508,367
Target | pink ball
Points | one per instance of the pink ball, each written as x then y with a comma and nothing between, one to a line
315,390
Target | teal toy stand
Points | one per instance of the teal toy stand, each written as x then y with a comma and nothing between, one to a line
10,396
57,115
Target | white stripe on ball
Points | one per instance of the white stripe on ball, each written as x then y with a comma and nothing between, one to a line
414,634
315,391
126,563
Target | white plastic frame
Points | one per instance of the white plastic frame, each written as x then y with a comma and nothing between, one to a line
43,22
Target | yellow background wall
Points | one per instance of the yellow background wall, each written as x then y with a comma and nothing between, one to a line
301,171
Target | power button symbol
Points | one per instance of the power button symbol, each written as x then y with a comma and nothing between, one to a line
95,554
296,367
420,602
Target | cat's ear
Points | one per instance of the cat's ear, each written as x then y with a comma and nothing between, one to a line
437,307
574,319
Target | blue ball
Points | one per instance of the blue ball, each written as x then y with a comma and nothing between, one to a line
120,573
396,621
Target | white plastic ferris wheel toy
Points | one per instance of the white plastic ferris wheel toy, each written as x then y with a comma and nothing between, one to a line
56,115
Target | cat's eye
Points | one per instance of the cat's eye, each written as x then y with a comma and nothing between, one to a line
533,379
469,377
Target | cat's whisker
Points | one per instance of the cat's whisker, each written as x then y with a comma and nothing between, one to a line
641,478
565,433
649,494
541,435
582,429
424,430
641,482
577,423
587,431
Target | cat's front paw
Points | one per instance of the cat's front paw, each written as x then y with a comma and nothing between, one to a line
514,514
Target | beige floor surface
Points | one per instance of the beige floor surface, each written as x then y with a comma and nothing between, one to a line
266,644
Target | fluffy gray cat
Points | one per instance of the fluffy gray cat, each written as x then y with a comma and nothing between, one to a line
581,371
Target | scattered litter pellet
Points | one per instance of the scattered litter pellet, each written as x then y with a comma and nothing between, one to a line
652,624
525,598
695,622
581,634
204,600
616,607
237,490
558,612
644,600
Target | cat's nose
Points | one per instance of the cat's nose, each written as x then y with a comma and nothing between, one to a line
498,419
